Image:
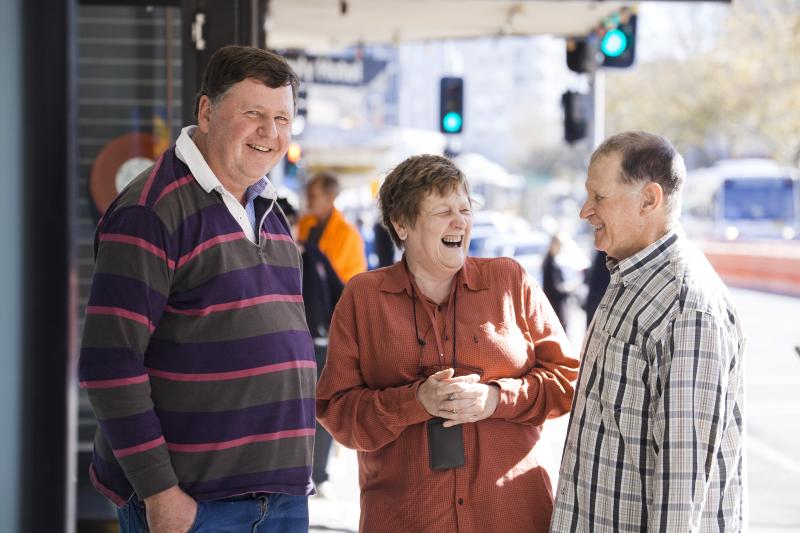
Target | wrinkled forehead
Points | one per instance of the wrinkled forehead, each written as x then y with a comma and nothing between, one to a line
457,194
603,173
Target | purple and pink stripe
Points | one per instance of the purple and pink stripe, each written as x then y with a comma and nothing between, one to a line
139,448
173,186
120,312
139,242
111,383
238,304
208,244
233,374
242,441
150,179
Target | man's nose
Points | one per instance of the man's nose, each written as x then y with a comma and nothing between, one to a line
586,210
268,129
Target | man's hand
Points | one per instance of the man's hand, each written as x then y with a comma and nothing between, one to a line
170,511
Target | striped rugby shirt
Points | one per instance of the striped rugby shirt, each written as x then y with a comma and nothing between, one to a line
655,434
196,356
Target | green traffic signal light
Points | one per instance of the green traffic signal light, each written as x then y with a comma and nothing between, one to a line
614,43
451,122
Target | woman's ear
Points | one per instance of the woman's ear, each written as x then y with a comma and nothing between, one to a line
400,229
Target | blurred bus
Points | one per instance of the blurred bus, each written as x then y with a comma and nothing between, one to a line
743,199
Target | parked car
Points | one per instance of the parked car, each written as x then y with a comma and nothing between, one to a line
528,249
488,226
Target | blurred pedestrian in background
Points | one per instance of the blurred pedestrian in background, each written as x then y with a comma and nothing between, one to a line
326,227
597,279
554,282
195,354
442,369
655,438
384,247
321,291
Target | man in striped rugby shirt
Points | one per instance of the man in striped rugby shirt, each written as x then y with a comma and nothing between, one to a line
655,434
196,355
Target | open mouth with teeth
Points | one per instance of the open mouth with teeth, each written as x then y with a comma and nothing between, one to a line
259,148
453,241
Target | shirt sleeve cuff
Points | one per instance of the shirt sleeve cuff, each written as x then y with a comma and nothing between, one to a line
508,397
408,404
153,480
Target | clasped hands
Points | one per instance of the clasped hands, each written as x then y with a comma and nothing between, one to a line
458,399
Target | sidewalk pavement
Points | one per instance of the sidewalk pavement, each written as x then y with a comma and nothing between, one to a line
339,509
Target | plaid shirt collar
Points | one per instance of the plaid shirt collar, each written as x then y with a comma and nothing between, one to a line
652,256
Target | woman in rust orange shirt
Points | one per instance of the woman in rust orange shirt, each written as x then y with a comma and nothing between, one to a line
441,370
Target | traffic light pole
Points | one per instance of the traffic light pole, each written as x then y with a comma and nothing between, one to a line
598,83
452,146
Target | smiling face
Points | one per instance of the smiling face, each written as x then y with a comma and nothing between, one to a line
615,210
437,244
245,133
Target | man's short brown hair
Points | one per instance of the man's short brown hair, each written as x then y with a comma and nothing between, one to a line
406,186
231,64
647,157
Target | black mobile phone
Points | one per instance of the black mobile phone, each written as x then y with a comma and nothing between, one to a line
445,445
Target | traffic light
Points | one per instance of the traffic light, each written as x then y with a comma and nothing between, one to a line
612,44
618,41
291,163
581,55
451,105
577,108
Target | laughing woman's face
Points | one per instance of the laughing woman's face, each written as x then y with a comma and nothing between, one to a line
438,243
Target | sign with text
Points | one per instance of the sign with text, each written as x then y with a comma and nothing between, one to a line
335,70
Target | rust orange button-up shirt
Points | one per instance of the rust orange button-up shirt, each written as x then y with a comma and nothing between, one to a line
366,398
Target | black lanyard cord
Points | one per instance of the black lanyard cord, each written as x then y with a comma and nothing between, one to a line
420,340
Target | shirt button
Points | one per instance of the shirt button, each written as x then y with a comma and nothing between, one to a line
439,307
461,501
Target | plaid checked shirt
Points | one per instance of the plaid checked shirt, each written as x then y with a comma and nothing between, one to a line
655,434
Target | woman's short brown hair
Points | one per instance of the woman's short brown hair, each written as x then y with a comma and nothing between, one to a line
406,186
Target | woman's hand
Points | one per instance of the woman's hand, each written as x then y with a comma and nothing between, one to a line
429,394
458,400
468,401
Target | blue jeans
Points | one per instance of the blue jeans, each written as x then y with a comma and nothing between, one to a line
266,513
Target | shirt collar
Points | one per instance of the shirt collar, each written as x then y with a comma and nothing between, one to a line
187,151
397,279
654,255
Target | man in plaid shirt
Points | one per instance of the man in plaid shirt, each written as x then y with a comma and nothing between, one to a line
655,434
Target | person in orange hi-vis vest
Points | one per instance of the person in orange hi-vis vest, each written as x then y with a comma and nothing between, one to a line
326,227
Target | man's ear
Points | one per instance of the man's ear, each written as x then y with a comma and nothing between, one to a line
652,197
400,229
204,113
